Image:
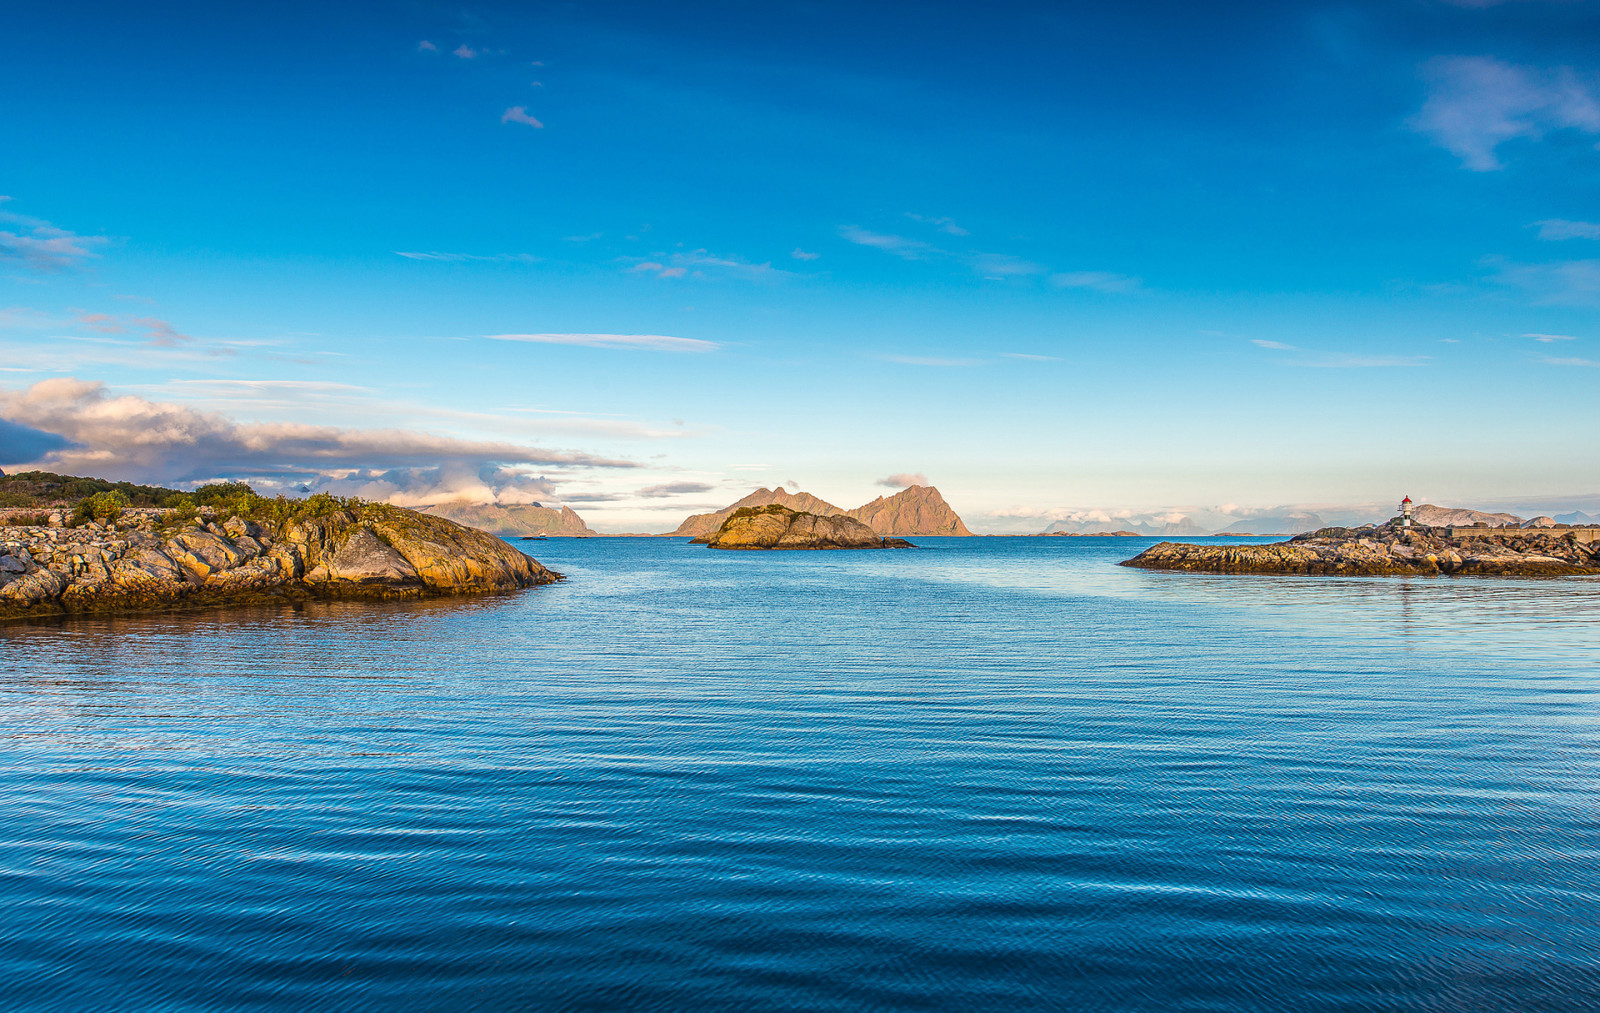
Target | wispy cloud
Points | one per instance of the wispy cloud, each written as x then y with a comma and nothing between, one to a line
900,246
1477,103
134,438
426,47
945,225
519,114
651,342
1571,362
1560,228
800,254
1276,346
1568,282
1001,265
674,489
465,51
159,332
462,258
1550,338
925,360
1363,361
703,263
40,246
1029,356
658,269
904,479
1099,281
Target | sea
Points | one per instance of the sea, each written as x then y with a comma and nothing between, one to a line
982,774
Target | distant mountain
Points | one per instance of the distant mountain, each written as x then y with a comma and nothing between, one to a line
1444,517
696,525
1278,524
1183,527
917,510
1577,517
512,519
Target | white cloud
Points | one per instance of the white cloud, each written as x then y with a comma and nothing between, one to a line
652,342
1276,346
1550,338
800,254
519,114
426,47
465,51
1560,228
1099,281
904,480
1477,103
133,438
1030,357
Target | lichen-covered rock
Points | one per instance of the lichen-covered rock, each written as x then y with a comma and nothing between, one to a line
778,527
367,550
1384,550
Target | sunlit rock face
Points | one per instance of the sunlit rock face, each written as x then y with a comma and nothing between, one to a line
365,551
778,527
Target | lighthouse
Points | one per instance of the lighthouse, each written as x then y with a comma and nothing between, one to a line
1405,514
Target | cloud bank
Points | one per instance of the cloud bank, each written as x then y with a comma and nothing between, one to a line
134,439
40,246
904,479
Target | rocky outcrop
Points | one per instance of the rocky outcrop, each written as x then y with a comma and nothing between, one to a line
916,510
778,527
367,551
696,525
1388,550
513,519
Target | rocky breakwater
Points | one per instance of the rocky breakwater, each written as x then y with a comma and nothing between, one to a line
1388,549
778,527
360,551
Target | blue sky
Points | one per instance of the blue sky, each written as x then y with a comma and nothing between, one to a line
1056,258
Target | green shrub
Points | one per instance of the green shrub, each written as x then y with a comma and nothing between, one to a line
102,506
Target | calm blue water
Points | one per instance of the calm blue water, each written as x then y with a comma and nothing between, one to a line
988,774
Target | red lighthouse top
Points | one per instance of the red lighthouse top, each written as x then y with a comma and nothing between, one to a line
1406,500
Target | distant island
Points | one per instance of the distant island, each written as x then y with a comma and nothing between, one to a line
1548,550
130,548
915,510
775,526
513,518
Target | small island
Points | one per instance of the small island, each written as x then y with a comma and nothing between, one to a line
778,527
1393,548
235,547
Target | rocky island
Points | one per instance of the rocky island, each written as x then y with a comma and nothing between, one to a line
1392,549
915,510
778,527
245,549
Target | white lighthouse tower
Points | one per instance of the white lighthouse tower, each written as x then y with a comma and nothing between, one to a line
1405,514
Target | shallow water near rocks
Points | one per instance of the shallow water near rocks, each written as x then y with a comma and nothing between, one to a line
985,774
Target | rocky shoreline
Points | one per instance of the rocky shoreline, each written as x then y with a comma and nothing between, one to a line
778,527
1389,549
360,551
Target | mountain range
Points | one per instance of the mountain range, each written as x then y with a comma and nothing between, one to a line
916,510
